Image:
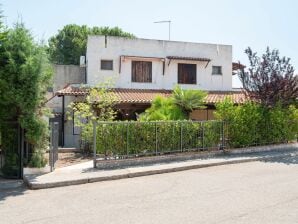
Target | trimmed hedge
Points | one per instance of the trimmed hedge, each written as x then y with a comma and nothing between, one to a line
124,139
238,126
252,124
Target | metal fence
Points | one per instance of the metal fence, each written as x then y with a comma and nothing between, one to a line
120,140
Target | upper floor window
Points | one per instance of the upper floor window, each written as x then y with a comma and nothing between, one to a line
141,71
187,73
106,64
216,70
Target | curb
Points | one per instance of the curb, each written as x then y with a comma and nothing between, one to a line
36,186
190,155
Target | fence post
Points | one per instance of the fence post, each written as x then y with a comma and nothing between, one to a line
94,144
203,136
127,137
181,137
156,143
223,136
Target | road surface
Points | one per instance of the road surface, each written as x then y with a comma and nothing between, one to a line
255,192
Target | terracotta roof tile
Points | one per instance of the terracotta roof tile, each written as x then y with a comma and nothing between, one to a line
237,66
147,95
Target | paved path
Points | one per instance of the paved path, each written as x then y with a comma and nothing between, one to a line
256,192
85,173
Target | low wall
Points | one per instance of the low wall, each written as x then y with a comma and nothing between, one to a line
143,161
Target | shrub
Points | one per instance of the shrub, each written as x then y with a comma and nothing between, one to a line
253,124
163,109
123,139
176,107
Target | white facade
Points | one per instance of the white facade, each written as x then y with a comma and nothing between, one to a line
112,48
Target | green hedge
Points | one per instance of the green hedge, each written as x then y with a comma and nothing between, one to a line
237,126
117,139
252,124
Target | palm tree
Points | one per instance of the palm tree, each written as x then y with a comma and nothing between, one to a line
189,100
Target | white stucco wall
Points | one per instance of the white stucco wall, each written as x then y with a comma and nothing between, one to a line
220,55
63,75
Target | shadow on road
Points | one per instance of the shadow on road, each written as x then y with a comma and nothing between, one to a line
11,188
288,159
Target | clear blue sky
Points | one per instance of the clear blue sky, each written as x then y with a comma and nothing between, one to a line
255,23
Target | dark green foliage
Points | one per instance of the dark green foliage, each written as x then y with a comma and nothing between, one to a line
9,140
253,124
25,75
70,43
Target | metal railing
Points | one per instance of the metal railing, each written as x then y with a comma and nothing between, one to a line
120,140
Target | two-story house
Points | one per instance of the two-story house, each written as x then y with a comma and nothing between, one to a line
143,68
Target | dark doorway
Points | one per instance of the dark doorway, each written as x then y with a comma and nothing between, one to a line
58,118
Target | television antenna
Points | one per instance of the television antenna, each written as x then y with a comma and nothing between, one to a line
169,22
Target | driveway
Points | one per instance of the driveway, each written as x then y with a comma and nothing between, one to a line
255,192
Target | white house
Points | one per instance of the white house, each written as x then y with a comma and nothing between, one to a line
159,64
143,69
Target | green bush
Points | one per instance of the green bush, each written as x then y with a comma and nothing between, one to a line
163,109
117,139
252,124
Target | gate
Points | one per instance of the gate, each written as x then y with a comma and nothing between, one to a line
11,150
53,155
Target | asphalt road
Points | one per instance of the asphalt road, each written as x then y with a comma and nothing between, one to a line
256,192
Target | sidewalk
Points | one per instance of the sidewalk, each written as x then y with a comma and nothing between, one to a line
85,173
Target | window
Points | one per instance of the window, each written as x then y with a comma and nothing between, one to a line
187,73
106,64
141,71
216,70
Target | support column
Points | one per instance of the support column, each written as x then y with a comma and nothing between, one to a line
62,119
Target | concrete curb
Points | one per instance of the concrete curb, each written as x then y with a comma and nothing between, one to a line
131,174
191,155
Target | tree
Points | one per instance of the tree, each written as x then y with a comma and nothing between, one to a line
70,43
98,106
25,75
189,100
163,109
176,107
270,79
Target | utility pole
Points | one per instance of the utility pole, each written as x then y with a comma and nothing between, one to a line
169,22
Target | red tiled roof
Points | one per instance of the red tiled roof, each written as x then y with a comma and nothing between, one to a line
139,95
73,90
237,65
147,95
214,97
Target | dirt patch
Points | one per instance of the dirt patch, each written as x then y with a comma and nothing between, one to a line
68,159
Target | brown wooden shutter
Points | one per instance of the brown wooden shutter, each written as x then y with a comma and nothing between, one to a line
141,71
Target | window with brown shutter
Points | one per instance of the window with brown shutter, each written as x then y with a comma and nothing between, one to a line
187,73
141,71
